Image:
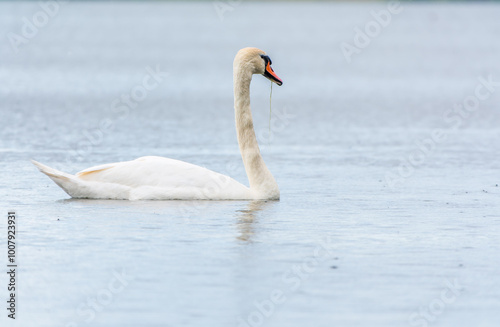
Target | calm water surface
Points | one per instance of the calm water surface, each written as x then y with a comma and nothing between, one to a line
377,225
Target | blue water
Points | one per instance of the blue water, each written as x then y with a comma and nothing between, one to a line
381,222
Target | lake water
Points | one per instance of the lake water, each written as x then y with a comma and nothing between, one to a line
390,206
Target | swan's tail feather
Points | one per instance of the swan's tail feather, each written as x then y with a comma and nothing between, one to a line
51,172
81,189
65,181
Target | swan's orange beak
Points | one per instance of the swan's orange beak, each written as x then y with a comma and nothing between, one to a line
271,75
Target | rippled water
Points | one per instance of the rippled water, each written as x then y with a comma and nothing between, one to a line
377,224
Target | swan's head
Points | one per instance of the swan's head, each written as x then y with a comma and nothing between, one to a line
257,62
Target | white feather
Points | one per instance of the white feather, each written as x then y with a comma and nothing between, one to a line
157,178
148,178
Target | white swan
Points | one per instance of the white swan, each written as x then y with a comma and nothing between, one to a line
157,178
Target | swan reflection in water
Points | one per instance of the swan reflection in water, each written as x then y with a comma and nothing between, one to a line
248,217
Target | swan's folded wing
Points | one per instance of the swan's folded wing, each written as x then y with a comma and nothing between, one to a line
95,169
155,171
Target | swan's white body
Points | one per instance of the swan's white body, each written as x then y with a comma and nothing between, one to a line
148,178
157,178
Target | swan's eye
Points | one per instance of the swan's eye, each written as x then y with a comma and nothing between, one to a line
266,59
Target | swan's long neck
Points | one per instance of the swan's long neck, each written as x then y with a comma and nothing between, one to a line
262,182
